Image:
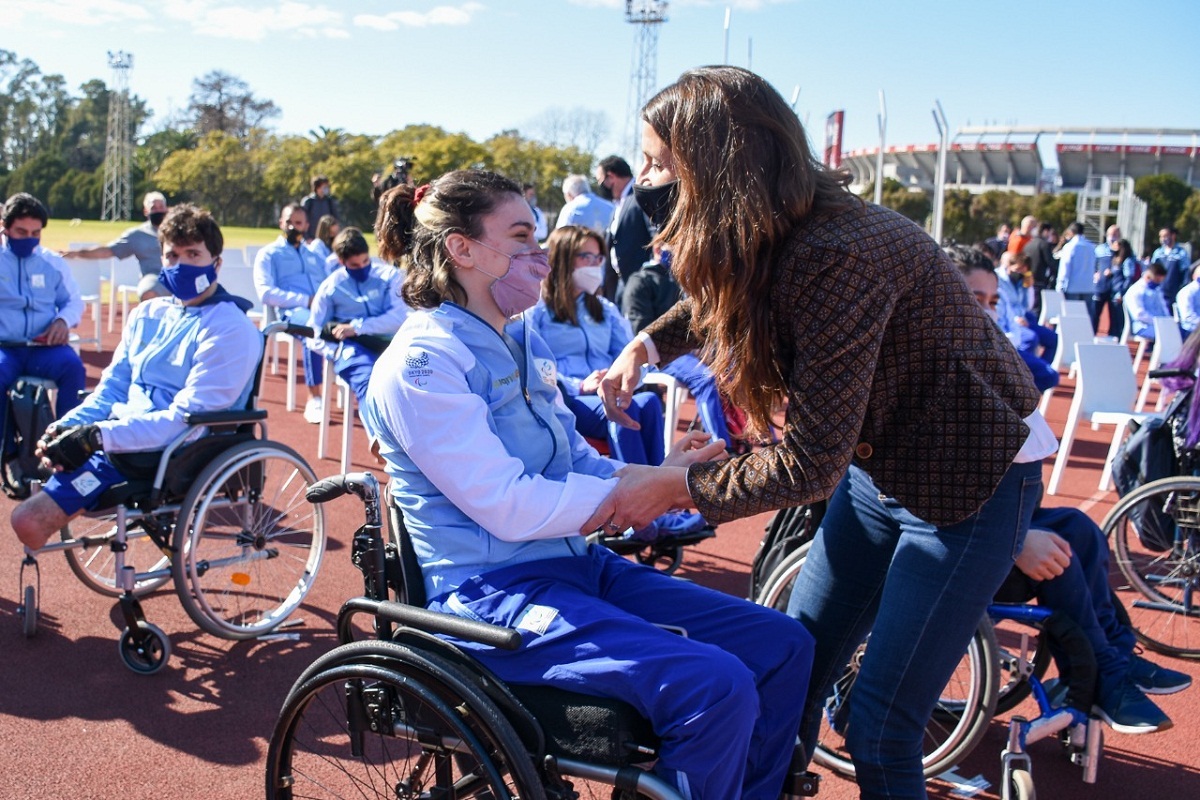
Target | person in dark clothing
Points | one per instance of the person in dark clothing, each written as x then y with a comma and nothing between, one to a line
319,204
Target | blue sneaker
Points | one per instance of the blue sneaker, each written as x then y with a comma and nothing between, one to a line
1153,679
669,525
1127,710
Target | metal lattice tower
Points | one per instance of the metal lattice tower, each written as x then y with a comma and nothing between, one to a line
647,15
118,147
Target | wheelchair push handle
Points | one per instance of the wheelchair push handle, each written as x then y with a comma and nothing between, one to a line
282,326
362,485
1171,373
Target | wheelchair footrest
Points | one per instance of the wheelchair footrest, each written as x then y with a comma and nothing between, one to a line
801,784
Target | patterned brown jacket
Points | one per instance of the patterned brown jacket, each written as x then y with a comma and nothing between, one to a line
888,360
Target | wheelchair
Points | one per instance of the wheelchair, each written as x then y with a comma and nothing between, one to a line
223,516
1154,532
1003,665
409,715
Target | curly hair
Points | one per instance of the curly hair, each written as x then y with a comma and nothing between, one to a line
188,224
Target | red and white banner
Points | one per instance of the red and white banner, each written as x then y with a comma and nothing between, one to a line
833,139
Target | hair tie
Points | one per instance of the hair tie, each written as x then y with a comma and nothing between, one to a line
419,194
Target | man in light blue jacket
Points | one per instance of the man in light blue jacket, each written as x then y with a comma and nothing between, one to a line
1077,267
194,352
39,304
286,276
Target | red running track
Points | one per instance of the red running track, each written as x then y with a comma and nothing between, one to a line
75,723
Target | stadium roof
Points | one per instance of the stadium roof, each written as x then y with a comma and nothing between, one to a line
1009,158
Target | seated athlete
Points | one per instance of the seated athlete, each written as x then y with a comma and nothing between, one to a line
196,351
495,483
358,307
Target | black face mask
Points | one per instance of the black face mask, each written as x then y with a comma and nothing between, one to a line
657,201
604,191
156,218
293,235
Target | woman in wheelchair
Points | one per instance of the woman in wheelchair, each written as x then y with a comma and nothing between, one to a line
196,351
494,483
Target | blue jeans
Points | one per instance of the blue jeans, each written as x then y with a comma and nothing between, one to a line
725,699
920,591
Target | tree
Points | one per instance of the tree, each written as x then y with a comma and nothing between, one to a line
1165,196
222,174
577,128
223,102
1188,222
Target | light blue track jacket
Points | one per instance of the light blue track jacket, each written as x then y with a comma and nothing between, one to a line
483,456
581,349
286,276
172,360
34,292
372,307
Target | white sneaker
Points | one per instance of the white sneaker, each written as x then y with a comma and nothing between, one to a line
312,410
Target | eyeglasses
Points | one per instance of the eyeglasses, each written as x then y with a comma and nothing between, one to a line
590,258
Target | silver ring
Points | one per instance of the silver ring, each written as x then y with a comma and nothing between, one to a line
612,526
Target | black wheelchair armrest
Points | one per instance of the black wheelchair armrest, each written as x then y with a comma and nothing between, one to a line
224,417
431,621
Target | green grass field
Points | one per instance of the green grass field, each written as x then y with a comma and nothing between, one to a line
59,234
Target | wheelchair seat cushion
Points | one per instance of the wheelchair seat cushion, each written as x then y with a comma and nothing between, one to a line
588,728
184,467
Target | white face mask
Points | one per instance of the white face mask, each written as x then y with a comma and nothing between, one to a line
589,279
993,314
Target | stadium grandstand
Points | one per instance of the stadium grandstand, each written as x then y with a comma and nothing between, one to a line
982,159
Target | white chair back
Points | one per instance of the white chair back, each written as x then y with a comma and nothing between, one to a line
87,275
1106,382
1052,301
234,257
240,281
1075,308
1071,331
251,252
1167,341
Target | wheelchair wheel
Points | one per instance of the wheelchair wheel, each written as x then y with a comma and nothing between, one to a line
248,544
1159,587
1020,785
29,612
146,651
966,706
95,564
359,729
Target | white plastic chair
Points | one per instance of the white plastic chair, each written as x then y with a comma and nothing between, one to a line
271,314
1104,395
87,277
234,258
1071,331
251,251
1142,341
346,400
1167,343
1074,308
240,281
677,393
1052,302
123,281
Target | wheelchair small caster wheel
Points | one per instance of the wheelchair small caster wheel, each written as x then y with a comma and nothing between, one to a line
1020,785
29,612
145,651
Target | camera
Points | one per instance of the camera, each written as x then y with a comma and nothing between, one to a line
402,167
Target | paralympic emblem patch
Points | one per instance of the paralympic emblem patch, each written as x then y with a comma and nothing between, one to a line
85,484
417,367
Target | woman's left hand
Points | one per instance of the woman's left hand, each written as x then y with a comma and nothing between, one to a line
695,446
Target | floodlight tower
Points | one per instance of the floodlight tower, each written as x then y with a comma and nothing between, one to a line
118,147
647,15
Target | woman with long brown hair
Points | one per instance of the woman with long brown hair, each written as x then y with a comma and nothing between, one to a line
906,407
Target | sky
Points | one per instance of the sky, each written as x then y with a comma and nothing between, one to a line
482,66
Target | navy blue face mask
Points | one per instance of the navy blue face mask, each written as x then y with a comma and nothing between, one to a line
23,248
187,281
359,274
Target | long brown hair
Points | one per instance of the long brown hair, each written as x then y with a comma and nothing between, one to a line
746,178
558,290
413,222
